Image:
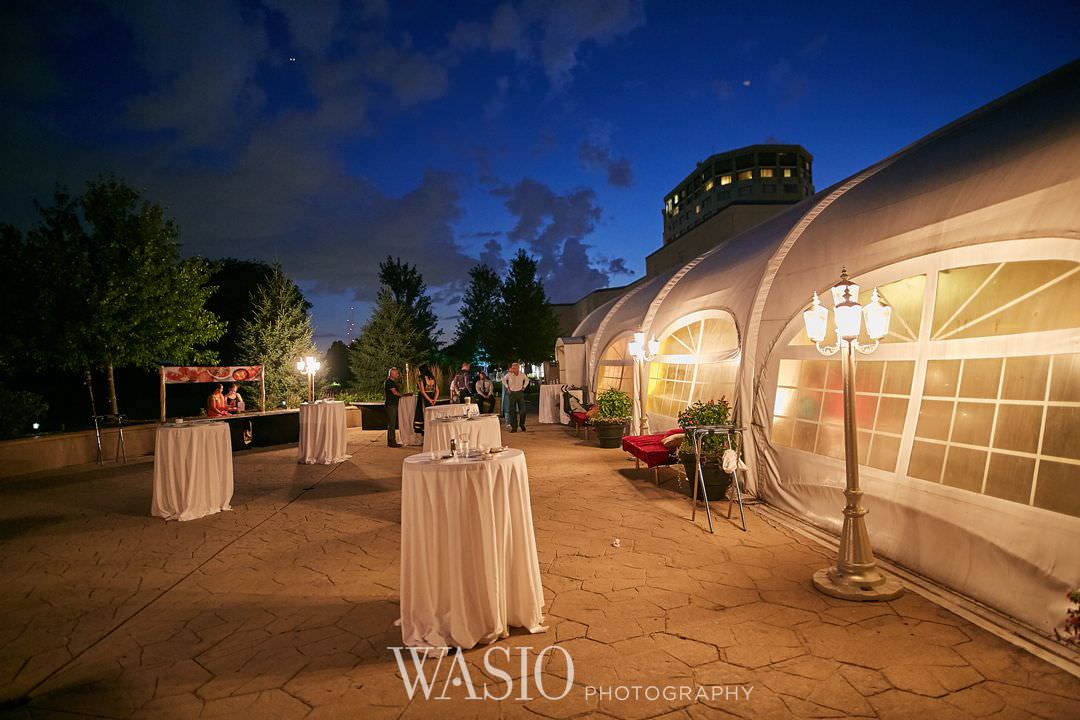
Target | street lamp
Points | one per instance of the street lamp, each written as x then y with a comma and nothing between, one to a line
309,366
642,352
855,575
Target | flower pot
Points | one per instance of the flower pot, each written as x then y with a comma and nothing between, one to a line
609,435
717,481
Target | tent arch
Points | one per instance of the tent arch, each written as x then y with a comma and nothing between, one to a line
615,366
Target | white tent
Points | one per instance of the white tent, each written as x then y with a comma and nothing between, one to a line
969,410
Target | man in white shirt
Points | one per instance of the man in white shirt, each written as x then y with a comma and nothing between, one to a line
514,384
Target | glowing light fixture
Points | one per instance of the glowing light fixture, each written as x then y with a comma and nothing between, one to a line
309,366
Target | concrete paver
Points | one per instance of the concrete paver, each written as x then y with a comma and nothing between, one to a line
286,606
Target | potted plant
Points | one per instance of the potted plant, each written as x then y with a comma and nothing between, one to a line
700,414
612,413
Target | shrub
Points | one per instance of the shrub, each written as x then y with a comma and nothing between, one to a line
701,414
613,406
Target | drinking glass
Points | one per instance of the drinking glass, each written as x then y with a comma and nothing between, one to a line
463,443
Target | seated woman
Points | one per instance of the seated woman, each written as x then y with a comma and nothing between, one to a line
215,404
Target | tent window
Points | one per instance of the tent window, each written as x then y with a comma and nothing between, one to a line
615,367
698,360
985,418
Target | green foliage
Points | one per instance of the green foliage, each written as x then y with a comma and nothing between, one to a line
356,396
236,282
477,330
613,405
18,410
336,364
388,339
406,286
527,326
701,414
276,335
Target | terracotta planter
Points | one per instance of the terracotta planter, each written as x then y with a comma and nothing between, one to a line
717,481
609,435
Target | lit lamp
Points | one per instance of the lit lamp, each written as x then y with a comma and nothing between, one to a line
855,575
642,352
309,366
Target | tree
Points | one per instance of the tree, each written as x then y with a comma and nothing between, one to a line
477,328
406,286
236,282
337,364
388,339
527,326
109,285
276,335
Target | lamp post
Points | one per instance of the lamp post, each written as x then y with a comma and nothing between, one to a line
309,366
855,575
642,352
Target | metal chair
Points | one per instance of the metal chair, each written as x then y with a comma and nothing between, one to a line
121,448
697,434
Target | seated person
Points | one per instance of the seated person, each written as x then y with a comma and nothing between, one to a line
233,401
215,404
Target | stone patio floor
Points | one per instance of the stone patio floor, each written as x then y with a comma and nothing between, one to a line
285,607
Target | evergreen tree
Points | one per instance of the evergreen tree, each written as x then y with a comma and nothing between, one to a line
478,326
337,364
388,339
276,335
527,326
407,288
236,281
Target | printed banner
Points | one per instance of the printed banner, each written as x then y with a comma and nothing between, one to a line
235,373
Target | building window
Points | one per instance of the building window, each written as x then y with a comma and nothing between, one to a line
787,159
791,188
697,209
787,172
744,161
766,158
768,188
676,198
725,179
744,191
766,172
709,186
746,175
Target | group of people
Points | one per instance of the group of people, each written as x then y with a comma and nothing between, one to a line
480,389
223,403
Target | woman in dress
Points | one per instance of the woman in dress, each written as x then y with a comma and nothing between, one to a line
427,394
215,404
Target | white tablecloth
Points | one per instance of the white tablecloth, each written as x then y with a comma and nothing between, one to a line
469,568
437,411
486,431
193,470
322,433
550,403
405,414
564,418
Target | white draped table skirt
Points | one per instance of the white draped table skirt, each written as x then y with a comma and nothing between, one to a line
484,431
550,402
193,470
405,414
322,433
469,568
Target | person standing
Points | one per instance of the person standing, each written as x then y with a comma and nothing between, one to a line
485,393
393,394
459,386
514,384
233,401
427,395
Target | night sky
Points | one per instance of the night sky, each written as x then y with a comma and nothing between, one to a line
327,135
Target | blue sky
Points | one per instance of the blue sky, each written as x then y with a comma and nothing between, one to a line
326,135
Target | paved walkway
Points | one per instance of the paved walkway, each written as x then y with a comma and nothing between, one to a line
286,607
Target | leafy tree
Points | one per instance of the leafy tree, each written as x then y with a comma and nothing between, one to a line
109,285
388,339
236,282
477,330
276,335
527,326
337,364
406,286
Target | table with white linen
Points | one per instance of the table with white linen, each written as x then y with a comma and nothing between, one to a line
469,566
322,433
483,430
564,418
406,413
550,403
193,470
437,411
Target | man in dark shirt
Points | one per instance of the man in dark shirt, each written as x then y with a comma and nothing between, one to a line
393,394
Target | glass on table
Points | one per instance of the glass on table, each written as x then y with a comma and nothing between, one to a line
463,445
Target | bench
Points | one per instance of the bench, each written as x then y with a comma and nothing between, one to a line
649,449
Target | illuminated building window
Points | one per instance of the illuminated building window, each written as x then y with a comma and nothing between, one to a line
746,175
725,180
788,172
984,396
766,172
697,209
676,198
708,186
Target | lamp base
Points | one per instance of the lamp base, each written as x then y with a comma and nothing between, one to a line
828,581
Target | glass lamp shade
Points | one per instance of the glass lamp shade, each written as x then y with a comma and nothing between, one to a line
300,366
848,319
817,321
877,315
636,347
654,346
844,289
